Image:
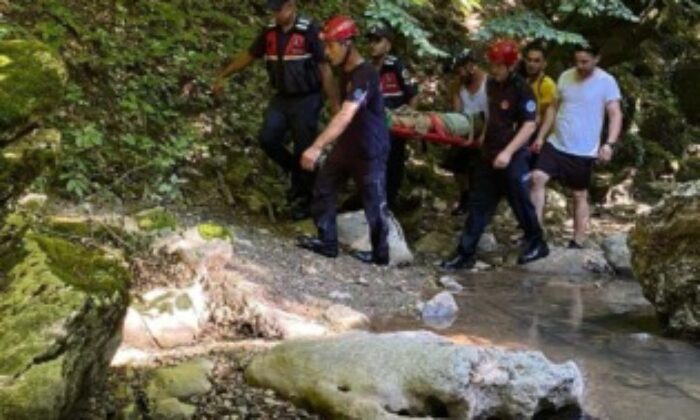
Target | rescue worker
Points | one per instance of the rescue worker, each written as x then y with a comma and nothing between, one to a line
504,170
298,71
360,151
398,89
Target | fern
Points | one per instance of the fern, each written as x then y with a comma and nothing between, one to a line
394,13
526,24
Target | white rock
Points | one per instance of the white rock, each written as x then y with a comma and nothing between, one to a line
166,318
450,283
353,231
378,376
338,295
617,253
343,318
487,243
443,305
571,262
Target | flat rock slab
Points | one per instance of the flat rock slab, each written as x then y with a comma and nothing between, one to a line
570,262
414,375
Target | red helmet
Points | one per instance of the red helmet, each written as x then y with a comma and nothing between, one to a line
503,51
339,28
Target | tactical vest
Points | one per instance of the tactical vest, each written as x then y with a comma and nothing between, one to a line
292,68
390,77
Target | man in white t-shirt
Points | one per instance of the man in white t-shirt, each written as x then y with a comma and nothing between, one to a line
586,94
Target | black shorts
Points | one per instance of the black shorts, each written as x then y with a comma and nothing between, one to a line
569,170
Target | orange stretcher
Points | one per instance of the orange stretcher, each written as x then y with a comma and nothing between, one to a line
437,134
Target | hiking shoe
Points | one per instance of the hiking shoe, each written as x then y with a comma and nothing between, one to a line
535,251
458,262
368,257
317,246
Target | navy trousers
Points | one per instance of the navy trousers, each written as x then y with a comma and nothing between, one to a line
369,177
489,186
298,116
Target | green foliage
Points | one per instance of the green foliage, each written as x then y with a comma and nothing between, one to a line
529,25
595,8
547,20
397,14
137,111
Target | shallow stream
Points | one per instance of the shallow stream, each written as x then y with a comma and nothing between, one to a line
631,371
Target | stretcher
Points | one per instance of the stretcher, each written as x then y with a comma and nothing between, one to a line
438,138
436,134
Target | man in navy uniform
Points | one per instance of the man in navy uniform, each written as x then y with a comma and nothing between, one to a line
398,90
361,147
504,170
297,69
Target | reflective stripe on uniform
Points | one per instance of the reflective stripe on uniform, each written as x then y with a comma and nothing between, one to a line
288,57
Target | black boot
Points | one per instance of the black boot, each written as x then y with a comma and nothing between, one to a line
536,250
317,246
458,262
368,257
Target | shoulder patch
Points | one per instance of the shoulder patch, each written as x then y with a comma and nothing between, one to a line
303,23
531,106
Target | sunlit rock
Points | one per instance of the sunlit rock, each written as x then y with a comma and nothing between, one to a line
353,231
570,262
617,253
666,258
416,375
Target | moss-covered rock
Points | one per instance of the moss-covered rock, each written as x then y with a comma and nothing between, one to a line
666,258
61,305
32,79
211,231
169,388
25,159
155,219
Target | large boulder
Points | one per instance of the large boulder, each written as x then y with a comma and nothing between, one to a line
60,309
617,253
353,231
32,80
666,258
415,375
25,159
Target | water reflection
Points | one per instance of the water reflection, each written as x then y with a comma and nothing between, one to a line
631,371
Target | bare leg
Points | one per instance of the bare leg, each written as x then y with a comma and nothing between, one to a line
581,215
538,193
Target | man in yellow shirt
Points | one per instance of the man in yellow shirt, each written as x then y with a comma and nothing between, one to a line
544,88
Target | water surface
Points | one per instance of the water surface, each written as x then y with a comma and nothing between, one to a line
631,371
